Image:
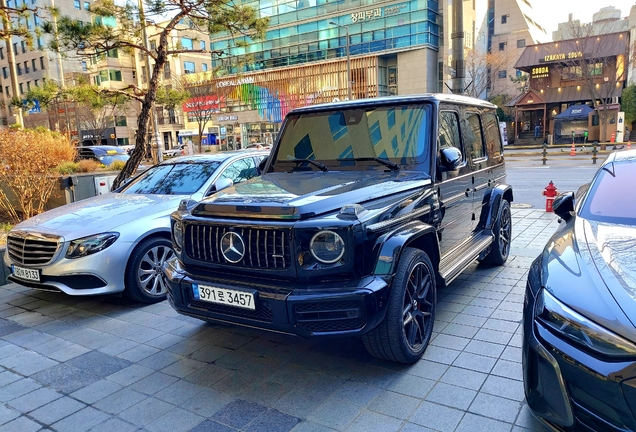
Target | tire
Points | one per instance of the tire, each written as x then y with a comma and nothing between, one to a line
144,278
502,229
405,332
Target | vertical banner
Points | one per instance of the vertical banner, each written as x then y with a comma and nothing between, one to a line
620,126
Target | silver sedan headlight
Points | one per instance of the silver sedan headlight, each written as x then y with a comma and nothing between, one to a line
327,247
91,244
177,234
572,326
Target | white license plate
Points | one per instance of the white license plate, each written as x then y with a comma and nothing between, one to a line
240,299
26,274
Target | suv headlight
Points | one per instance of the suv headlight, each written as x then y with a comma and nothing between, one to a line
572,326
327,247
177,234
91,244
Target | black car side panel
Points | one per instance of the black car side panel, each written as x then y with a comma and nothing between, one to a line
390,246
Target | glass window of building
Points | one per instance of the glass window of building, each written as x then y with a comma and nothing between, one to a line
204,67
188,67
1,53
37,83
521,43
5,73
502,46
26,67
103,76
120,121
34,65
28,85
504,19
7,91
166,70
21,89
112,53
77,4
23,44
19,68
202,44
114,75
595,68
87,5
186,43
42,63
84,66
502,74
15,48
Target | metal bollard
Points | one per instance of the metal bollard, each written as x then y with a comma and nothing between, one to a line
594,154
545,153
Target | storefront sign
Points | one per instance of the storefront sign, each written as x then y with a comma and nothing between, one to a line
227,118
563,56
236,82
202,103
540,72
376,13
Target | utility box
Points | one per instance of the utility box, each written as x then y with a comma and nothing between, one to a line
104,184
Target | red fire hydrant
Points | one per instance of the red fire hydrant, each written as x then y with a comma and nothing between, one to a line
550,192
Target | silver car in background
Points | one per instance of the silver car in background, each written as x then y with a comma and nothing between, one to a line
118,241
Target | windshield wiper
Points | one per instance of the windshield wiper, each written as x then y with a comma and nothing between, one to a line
388,163
320,166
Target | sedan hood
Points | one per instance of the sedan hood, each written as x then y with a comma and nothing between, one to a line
613,248
99,214
301,195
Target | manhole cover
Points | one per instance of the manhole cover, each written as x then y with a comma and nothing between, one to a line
521,205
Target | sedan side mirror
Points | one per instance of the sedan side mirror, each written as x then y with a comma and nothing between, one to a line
222,183
563,205
450,158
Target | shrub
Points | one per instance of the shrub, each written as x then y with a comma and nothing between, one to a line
67,167
116,166
88,165
28,159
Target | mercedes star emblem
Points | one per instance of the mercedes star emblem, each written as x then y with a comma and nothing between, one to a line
232,247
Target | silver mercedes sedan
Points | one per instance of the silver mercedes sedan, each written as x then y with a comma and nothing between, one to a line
117,242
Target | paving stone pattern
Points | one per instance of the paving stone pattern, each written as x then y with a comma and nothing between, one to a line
102,364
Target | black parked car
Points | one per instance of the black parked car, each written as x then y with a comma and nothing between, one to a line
579,347
365,209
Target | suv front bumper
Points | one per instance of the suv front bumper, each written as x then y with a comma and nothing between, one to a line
345,308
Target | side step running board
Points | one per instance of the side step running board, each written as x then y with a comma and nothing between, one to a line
457,260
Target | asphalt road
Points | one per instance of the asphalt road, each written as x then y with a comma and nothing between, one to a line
529,177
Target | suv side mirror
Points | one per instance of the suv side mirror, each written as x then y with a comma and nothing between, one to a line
450,158
222,183
563,205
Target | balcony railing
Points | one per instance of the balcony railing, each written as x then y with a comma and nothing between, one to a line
168,120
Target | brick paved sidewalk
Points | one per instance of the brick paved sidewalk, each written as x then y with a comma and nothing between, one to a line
77,364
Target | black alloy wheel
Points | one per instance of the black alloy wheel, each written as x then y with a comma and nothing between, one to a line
502,230
408,325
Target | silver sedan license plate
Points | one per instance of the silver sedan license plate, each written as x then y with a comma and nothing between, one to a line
26,274
224,296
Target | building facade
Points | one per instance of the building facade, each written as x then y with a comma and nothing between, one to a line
36,64
393,49
590,72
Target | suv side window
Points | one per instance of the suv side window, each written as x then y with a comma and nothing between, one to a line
449,130
475,139
492,134
241,170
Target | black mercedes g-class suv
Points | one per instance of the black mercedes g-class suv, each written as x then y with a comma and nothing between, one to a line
364,209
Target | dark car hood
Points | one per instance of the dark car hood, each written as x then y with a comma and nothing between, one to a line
587,267
302,195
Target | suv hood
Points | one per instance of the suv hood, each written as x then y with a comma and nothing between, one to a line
99,214
302,195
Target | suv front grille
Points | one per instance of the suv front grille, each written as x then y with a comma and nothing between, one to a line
29,250
264,247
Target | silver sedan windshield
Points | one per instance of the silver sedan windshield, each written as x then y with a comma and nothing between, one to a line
172,179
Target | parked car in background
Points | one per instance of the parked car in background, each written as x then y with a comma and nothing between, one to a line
175,151
365,208
103,154
117,242
579,317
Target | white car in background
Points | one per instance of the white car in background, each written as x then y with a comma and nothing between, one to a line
117,242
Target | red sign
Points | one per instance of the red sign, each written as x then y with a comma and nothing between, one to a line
203,103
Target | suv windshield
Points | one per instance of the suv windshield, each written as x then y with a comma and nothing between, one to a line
172,179
601,204
399,135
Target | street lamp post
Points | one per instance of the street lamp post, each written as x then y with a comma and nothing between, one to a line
348,57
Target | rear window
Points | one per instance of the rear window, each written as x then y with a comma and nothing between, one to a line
611,197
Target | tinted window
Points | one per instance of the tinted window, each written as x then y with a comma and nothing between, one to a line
399,134
241,170
173,179
493,135
449,130
109,159
474,137
602,203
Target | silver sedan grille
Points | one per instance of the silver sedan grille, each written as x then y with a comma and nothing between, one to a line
30,249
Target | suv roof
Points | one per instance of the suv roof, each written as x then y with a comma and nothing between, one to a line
393,100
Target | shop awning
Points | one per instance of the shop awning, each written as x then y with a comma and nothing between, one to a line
575,112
